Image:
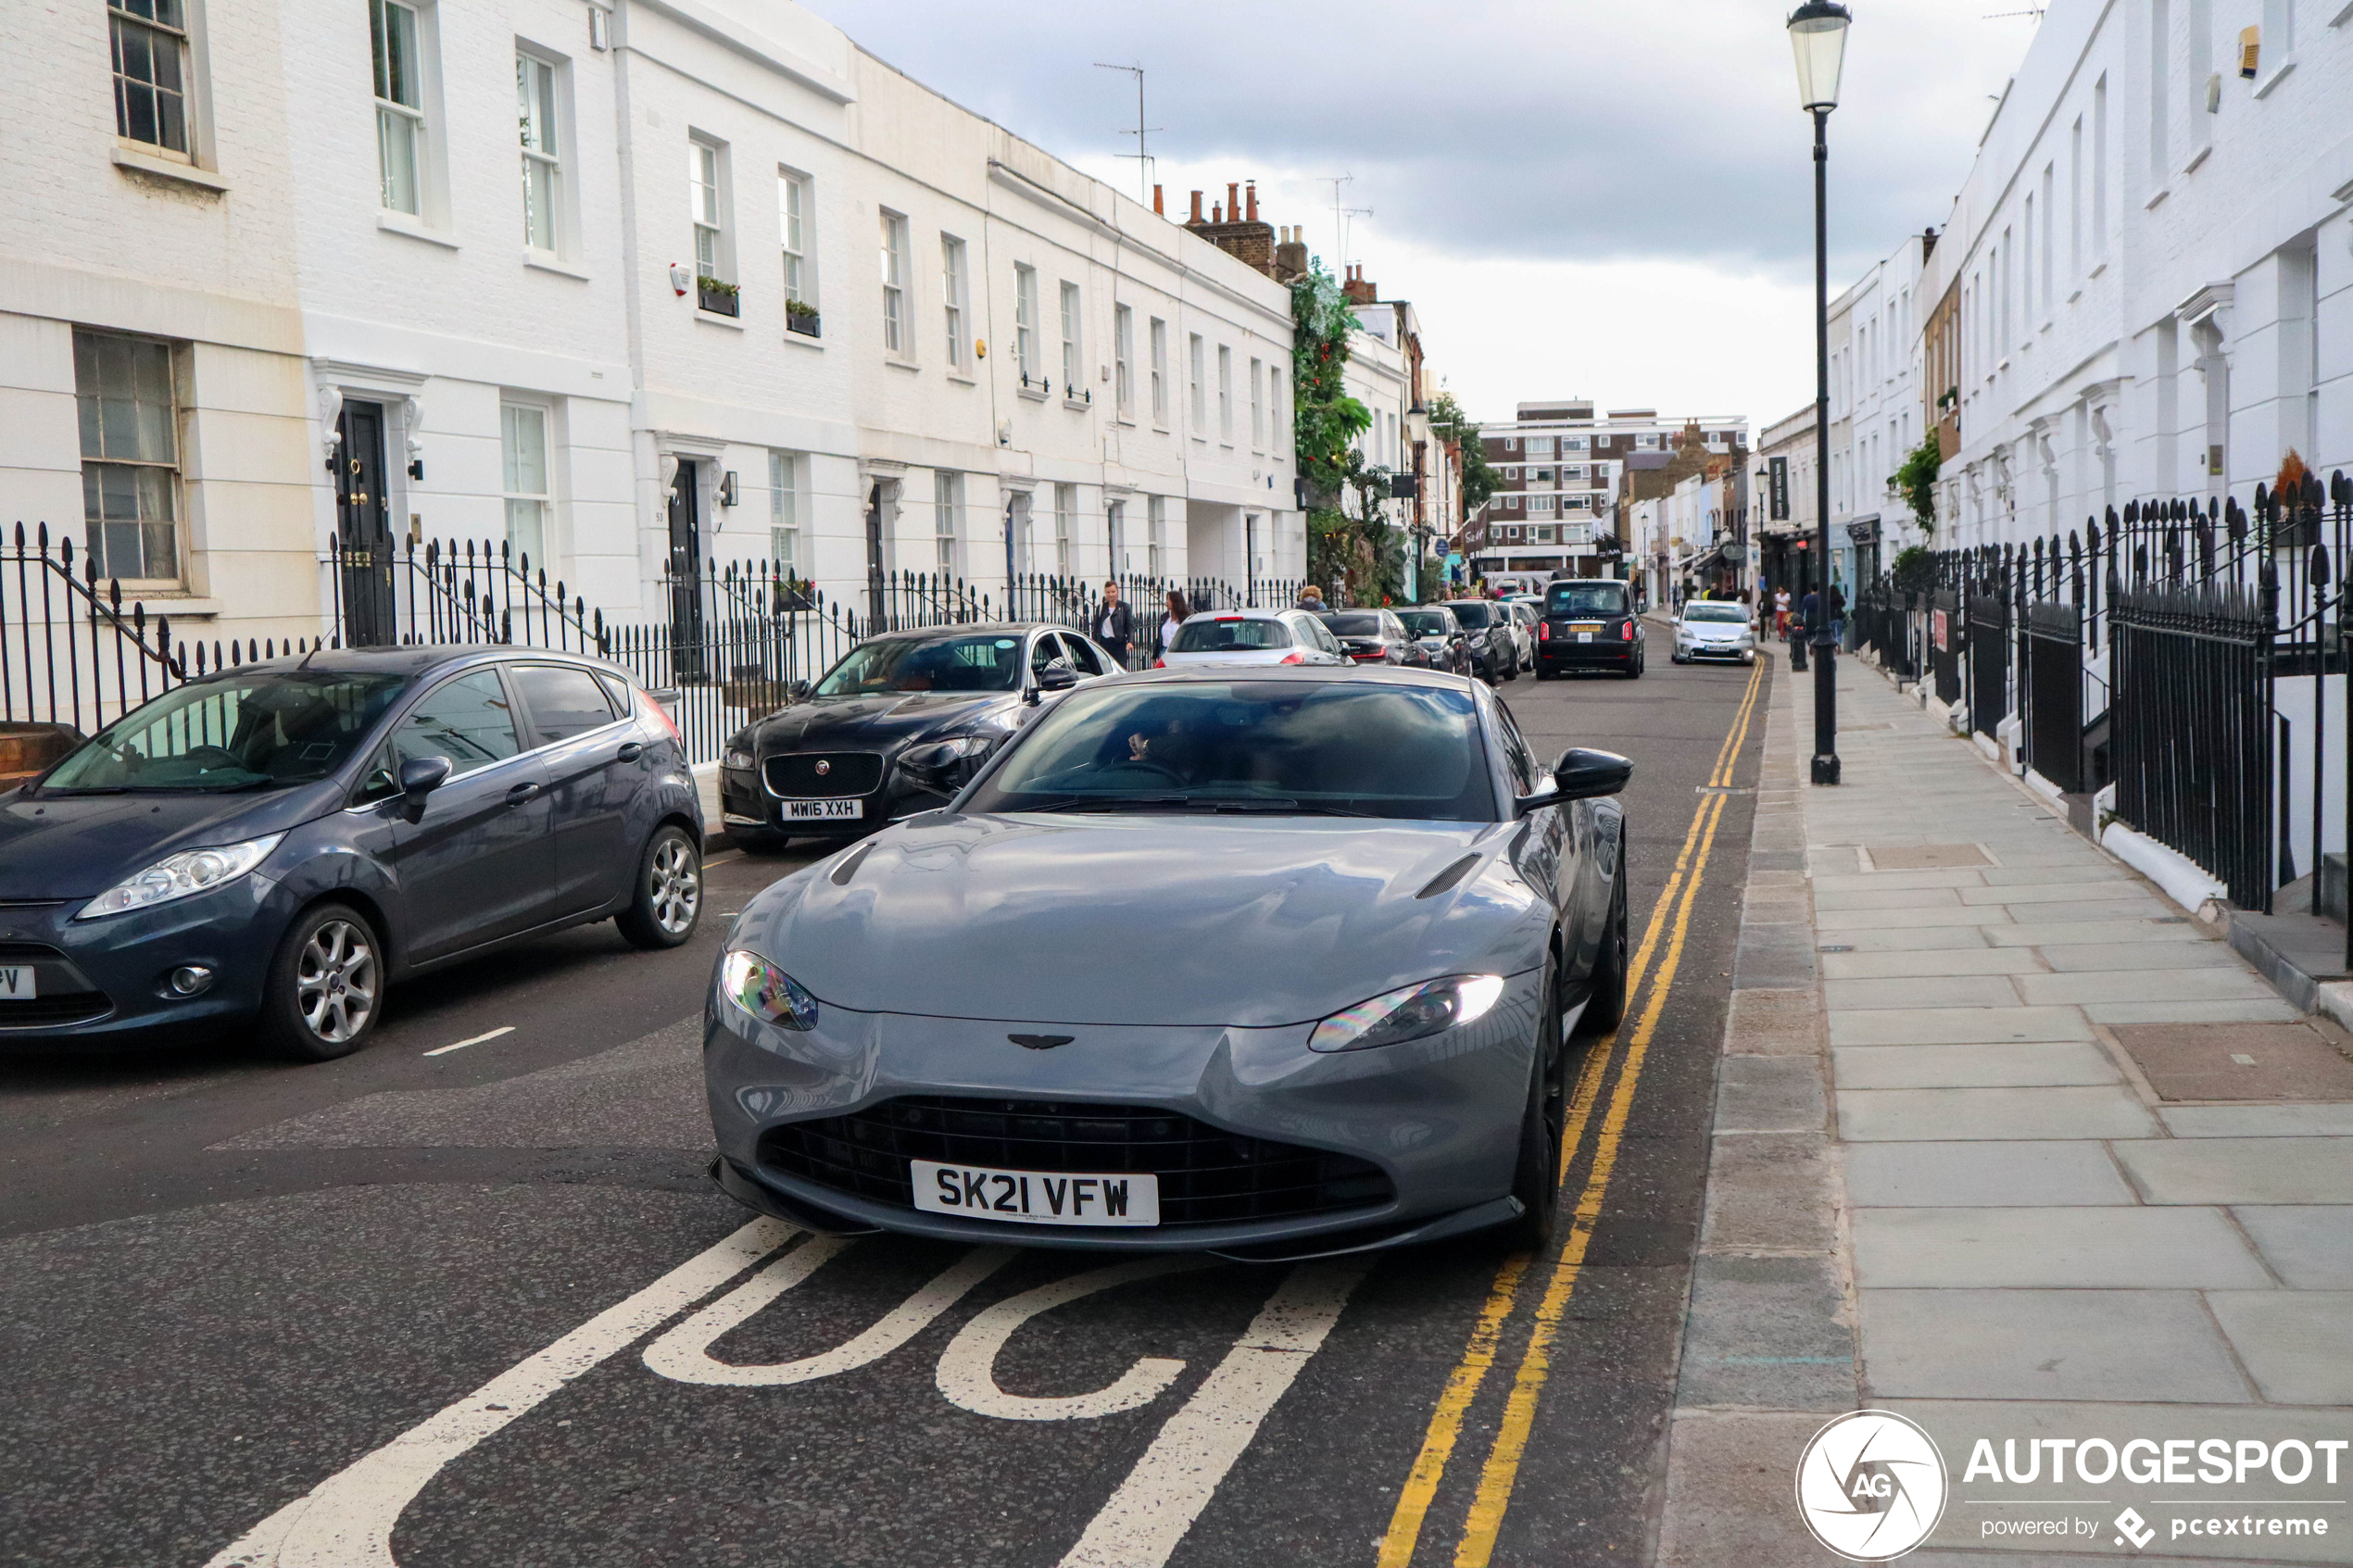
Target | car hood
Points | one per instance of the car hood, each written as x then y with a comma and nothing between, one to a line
886,719
78,845
1149,920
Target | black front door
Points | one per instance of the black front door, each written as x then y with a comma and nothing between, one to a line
685,575
875,583
363,528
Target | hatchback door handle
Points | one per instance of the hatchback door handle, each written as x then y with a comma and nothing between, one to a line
630,752
522,793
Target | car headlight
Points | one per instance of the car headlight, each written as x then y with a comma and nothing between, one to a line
760,988
739,757
1408,1014
179,876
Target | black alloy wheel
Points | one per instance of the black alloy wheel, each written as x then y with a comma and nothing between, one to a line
667,905
1606,992
325,986
1536,1179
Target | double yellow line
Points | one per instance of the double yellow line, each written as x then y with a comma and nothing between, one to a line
1669,922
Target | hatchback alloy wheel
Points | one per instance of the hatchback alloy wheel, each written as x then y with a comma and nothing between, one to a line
677,888
335,981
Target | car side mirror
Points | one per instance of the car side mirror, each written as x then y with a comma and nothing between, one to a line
1580,774
420,776
796,691
1057,678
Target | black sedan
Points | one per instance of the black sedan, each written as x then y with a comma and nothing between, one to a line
898,726
1439,638
274,845
1494,652
1373,637
1590,623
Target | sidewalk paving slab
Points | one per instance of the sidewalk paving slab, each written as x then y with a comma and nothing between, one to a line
1957,1025
2069,1172
2032,1065
2145,1249
2310,1246
2153,1346
2242,1170
2297,1345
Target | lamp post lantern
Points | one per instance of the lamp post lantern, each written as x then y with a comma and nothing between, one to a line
1817,33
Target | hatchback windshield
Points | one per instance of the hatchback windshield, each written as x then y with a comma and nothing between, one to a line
242,732
1426,623
988,663
1731,613
1280,748
1474,613
1355,623
1586,598
1220,636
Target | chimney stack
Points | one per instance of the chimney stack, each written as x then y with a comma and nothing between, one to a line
1234,201
1217,212
1196,218
1157,208
1253,201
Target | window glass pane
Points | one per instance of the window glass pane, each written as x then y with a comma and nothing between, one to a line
784,511
562,699
467,720
525,453
397,155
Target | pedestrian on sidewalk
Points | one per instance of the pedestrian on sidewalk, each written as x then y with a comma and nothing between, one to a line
1310,597
1177,610
1114,624
1781,613
1838,615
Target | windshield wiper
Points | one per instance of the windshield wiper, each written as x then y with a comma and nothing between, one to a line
1102,802
1278,806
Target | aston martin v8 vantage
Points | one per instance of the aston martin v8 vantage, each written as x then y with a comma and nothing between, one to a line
1267,962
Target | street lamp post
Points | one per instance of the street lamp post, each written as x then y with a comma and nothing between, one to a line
1818,32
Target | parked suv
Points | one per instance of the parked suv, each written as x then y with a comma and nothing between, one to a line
1590,623
274,844
1494,650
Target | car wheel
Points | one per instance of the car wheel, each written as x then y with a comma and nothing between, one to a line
1606,992
325,986
668,904
1542,674
1536,1179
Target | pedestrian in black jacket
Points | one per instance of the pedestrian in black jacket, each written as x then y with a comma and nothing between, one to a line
1114,624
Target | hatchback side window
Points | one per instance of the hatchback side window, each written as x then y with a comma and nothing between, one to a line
467,720
562,699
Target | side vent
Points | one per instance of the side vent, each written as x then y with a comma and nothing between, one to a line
849,864
1448,877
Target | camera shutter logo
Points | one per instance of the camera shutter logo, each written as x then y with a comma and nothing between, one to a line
1870,1485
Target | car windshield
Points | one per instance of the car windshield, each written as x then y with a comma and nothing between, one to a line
1228,632
1355,623
989,662
1731,614
1280,748
263,730
1475,613
1586,598
1426,623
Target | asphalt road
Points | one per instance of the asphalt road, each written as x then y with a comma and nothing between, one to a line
484,1304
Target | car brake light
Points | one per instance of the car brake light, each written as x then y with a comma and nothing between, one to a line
1294,656
656,713
1627,635
1543,631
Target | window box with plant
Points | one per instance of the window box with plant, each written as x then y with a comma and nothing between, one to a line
802,317
719,298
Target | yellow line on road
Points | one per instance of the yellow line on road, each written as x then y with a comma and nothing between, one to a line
1478,1356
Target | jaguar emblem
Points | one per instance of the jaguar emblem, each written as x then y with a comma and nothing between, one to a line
1041,1042
824,768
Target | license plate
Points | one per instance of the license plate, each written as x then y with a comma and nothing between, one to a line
1584,636
1035,1197
824,810
1587,631
17,983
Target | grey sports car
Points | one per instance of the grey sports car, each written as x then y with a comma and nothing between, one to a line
1270,963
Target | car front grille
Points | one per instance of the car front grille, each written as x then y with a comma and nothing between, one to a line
58,1007
796,776
1207,1176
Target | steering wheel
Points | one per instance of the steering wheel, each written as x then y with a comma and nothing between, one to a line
207,757
1141,765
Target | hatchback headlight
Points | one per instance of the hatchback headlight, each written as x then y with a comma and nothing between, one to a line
760,988
180,876
1408,1014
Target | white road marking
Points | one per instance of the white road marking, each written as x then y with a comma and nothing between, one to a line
1162,1497
347,1520
968,1367
684,1353
462,1044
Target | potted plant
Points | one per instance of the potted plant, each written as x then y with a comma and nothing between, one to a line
802,317
719,298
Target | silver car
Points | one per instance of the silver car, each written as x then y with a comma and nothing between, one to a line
1253,636
1267,962
1714,629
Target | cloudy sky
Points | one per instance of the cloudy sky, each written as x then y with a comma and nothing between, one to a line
1608,199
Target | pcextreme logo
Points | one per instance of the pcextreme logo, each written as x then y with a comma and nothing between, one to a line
1870,1485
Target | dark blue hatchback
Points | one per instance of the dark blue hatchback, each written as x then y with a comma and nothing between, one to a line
270,847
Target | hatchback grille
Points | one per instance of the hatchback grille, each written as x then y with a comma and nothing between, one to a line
796,776
47,1012
1207,1176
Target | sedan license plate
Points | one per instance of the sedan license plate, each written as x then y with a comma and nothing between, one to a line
1585,628
1036,1198
824,810
17,983
1584,636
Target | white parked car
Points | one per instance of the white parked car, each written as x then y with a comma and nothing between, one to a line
1253,636
1714,629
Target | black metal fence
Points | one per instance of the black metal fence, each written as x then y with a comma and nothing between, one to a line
1947,637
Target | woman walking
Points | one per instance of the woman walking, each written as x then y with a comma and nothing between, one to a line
1177,614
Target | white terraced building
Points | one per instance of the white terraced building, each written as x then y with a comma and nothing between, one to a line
435,269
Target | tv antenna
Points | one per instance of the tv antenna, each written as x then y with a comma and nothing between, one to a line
1142,154
1342,214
